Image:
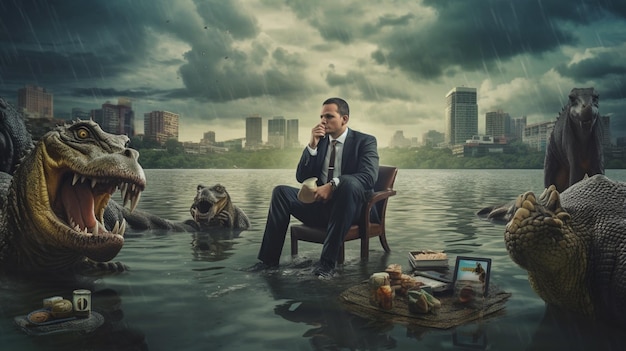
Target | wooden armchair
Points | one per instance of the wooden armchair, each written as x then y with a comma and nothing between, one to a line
365,229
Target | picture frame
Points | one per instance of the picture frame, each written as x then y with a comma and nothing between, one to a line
471,277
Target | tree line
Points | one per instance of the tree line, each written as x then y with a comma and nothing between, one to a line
173,155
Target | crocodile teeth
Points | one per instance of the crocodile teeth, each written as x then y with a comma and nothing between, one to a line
134,201
123,188
130,195
122,228
75,179
116,227
119,228
93,182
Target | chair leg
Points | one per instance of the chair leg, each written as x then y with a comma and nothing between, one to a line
294,246
365,247
383,242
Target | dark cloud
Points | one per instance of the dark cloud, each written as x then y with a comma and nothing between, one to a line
474,36
111,93
364,86
62,42
232,76
44,41
227,16
601,65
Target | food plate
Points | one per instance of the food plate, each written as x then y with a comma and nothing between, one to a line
52,320
420,259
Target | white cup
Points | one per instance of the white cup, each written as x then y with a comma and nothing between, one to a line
307,191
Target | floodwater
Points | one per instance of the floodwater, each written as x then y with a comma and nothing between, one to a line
189,291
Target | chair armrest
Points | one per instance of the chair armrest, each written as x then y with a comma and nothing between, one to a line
376,197
380,195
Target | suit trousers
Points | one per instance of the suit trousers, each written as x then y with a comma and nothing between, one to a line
337,215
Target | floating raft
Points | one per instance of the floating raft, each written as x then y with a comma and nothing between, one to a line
451,313
80,325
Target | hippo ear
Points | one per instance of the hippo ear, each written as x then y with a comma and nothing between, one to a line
200,187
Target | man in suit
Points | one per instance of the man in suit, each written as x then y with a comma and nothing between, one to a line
338,198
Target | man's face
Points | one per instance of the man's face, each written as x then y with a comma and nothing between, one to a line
334,123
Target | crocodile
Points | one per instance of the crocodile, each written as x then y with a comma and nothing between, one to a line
573,246
575,146
52,207
212,207
31,177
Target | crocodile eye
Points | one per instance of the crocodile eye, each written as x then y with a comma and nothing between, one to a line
82,133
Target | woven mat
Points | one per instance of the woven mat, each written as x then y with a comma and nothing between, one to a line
451,313
81,325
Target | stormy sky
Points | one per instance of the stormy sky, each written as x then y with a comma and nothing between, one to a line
216,62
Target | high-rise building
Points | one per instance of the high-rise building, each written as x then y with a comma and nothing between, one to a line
461,118
291,136
537,135
127,116
498,124
276,128
254,132
110,122
517,127
160,126
35,102
116,119
208,138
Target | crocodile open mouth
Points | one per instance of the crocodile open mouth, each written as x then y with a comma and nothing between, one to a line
81,201
202,210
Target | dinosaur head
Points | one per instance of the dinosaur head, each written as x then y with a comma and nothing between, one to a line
583,109
208,202
66,183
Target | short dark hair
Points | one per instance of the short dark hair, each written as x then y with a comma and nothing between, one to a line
342,105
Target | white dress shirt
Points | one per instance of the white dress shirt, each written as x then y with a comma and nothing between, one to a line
338,156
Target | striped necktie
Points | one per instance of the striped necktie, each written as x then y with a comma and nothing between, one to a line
331,162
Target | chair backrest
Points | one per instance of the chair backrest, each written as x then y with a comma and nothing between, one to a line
386,178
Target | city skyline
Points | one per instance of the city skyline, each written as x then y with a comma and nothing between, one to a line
282,133
216,63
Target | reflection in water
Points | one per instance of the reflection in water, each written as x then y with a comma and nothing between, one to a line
472,336
567,331
213,246
329,326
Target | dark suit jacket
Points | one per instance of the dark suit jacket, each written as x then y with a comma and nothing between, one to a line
359,160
